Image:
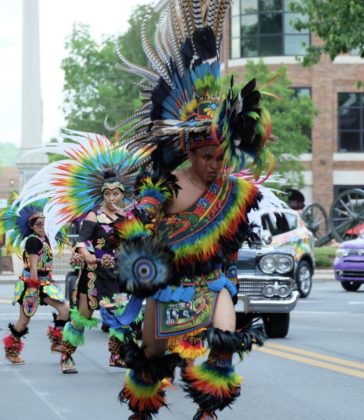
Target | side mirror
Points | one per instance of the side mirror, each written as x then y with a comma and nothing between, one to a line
266,237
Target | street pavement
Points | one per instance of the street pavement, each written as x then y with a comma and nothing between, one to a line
315,373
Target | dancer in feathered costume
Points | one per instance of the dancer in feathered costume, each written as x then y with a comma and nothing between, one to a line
92,182
35,285
199,212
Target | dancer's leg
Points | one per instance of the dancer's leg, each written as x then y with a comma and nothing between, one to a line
55,332
13,344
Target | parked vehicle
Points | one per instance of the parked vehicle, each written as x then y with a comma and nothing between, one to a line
70,287
266,289
349,263
290,234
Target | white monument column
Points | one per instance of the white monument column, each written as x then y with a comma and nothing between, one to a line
31,123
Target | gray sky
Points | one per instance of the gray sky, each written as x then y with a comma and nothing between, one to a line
56,18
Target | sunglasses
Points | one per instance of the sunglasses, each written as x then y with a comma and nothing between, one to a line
39,224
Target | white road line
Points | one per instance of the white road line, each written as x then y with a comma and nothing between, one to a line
323,313
356,303
42,396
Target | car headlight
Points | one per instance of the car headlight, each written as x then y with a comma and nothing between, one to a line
269,291
271,263
276,290
342,252
285,264
283,291
268,264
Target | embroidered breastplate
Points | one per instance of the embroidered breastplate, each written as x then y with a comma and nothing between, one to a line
198,234
45,257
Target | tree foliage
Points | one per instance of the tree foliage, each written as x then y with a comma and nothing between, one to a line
292,117
339,23
94,86
8,153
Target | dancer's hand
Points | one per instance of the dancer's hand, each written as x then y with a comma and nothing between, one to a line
90,259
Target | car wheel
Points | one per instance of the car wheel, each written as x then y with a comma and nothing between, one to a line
276,325
351,286
243,321
70,285
304,278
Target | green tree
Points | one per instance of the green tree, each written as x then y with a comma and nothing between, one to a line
8,153
339,23
94,88
292,117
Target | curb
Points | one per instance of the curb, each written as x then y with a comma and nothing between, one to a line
319,276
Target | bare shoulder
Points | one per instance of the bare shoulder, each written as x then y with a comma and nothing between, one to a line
187,195
91,216
179,175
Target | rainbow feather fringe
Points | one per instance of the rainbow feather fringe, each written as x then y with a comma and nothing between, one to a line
189,346
211,387
205,244
159,190
143,397
130,229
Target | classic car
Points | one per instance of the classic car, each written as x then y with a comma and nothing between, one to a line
266,289
290,234
349,263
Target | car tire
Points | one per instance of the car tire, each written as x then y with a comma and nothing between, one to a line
351,286
276,325
243,321
70,286
303,278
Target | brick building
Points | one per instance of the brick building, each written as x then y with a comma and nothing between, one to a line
257,29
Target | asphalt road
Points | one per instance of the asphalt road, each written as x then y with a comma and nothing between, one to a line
315,373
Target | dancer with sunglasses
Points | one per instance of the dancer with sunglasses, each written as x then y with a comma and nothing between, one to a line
35,285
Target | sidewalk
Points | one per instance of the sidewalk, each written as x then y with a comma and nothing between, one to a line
12,278
319,276
323,274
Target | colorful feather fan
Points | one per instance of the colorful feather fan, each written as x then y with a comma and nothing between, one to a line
74,183
14,223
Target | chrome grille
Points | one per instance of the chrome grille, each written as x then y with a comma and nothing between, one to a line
254,288
353,274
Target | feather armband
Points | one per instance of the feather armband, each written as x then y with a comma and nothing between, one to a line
154,191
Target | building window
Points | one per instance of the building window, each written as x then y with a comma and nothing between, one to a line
351,122
305,92
262,28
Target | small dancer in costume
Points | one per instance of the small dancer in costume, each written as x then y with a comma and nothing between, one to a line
98,281
35,285
90,183
199,213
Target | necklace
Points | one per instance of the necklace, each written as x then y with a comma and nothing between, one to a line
193,182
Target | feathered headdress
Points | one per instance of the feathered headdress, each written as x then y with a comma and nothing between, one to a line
185,106
15,223
75,184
